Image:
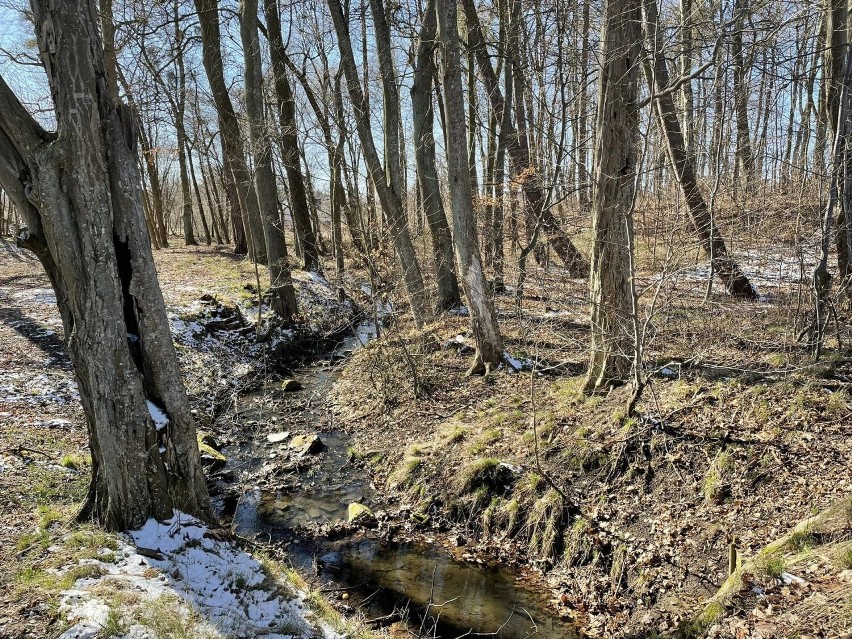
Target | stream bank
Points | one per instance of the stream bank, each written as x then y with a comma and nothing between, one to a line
290,481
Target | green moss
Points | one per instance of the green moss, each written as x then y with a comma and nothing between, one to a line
697,627
845,559
72,462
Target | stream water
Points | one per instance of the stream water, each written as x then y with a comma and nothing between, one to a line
420,583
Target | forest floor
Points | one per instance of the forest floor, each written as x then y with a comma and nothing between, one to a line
170,580
738,437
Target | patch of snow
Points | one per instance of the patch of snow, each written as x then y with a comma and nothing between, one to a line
461,311
56,388
161,420
224,585
516,364
319,279
44,296
786,578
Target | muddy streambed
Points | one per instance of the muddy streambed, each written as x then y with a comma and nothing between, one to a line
418,581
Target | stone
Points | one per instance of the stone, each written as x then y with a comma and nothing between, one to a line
457,540
291,385
209,440
360,515
210,457
307,444
275,438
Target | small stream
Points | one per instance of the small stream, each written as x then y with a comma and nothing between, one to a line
417,582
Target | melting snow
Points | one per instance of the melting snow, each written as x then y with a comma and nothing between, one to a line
36,296
224,585
161,420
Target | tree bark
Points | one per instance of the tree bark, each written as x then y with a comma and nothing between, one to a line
711,240
79,190
281,291
617,125
232,144
388,194
835,53
423,115
289,140
744,153
486,333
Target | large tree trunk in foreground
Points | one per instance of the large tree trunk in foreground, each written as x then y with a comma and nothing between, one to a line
283,296
489,344
423,115
79,190
614,178
683,167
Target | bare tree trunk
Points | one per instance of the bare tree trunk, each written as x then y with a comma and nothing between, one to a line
835,53
712,242
232,198
79,191
489,343
212,205
523,169
299,209
688,111
207,238
387,192
232,144
744,152
427,174
281,291
611,284
841,158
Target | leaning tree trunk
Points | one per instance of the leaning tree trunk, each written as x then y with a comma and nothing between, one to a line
79,190
523,167
614,176
483,319
709,237
391,199
423,115
282,293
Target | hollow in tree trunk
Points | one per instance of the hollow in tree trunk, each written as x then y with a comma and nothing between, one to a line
79,190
